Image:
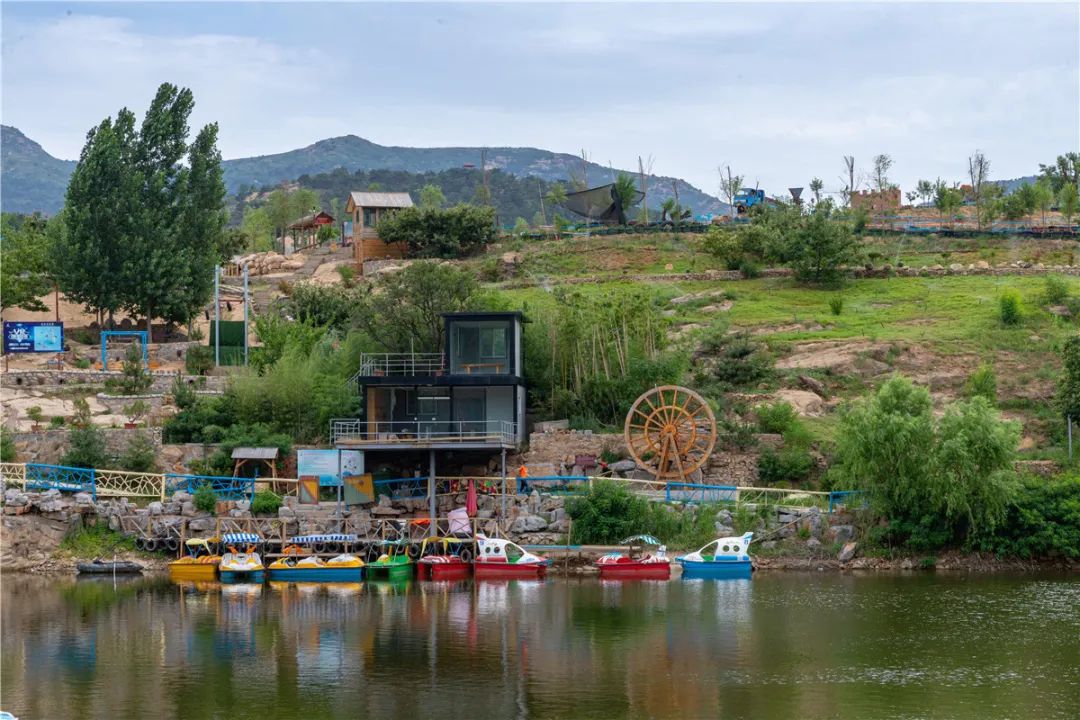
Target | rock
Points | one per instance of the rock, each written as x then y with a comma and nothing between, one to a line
768,545
187,509
956,267
982,265
723,530
528,523
155,508
549,426
181,497
813,543
847,552
622,466
534,502
841,533
203,524
1059,310
83,498
813,385
724,517
243,505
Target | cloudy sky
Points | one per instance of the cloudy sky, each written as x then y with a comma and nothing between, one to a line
779,91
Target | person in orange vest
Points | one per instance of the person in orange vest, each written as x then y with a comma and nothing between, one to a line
523,473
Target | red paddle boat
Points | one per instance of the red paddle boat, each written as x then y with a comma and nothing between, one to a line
503,560
453,561
635,565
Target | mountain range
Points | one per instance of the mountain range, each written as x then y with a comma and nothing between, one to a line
32,179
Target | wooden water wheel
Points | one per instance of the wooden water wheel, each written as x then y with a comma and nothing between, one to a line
670,431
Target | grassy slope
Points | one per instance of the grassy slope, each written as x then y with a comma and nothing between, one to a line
944,326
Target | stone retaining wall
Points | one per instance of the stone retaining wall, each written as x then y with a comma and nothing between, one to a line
162,381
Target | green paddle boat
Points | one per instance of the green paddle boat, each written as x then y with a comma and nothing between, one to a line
393,564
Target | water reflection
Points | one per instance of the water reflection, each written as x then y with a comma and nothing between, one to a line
776,646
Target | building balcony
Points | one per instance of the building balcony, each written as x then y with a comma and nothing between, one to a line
400,364
423,434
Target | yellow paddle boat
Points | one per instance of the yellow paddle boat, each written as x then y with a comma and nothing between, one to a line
200,564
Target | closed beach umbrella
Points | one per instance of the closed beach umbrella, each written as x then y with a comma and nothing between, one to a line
470,498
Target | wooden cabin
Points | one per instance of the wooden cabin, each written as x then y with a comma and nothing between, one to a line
305,231
366,209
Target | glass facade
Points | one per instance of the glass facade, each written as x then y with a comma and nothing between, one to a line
480,347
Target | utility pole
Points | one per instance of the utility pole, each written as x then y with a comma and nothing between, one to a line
217,315
540,191
584,169
247,299
644,188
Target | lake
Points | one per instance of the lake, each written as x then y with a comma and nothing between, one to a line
785,645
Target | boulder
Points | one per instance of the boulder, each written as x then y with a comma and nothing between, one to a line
813,385
187,509
156,508
549,426
841,533
622,466
200,525
813,543
528,523
723,530
181,497
724,517
847,552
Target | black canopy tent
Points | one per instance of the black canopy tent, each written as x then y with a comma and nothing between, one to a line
600,203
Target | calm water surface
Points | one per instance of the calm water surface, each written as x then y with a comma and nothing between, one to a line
778,646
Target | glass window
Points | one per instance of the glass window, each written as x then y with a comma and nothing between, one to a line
370,217
513,553
480,347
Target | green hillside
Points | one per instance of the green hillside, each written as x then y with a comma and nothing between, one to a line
32,178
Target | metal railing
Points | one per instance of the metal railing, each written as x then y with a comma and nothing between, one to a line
225,488
423,432
59,477
392,364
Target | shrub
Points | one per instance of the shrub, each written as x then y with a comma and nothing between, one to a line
35,414
982,383
86,442
140,455
57,421
204,499
183,394
789,465
1042,521
440,233
265,502
82,363
1009,309
606,514
836,304
776,418
97,540
7,446
738,360
199,360
749,269
1055,290
323,305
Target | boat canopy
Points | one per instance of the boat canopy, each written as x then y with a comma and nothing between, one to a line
197,542
240,538
642,540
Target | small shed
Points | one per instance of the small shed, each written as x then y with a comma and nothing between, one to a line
366,209
306,229
244,455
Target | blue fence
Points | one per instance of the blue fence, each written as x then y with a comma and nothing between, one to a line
60,477
839,498
692,492
226,488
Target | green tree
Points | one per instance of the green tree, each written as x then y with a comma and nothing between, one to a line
448,233
1026,198
882,164
415,297
24,262
1068,393
979,174
925,190
1064,170
946,200
816,186
556,195
521,226
1044,198
431,197
627,192
258,229
935,481
822,247
1068,201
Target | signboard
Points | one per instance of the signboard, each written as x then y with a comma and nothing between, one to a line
28,337
324,465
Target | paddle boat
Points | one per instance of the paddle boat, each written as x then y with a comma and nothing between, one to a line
453,561
722,558
300,565
201,562
236,566
394,564
634,565
504,560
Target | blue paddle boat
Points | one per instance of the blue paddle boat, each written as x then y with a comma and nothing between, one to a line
723,558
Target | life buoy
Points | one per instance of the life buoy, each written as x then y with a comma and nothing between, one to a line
150,545
465,554
413,551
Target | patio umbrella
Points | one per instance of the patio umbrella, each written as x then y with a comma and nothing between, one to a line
470,498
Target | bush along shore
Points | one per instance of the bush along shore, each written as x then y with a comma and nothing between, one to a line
49,532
